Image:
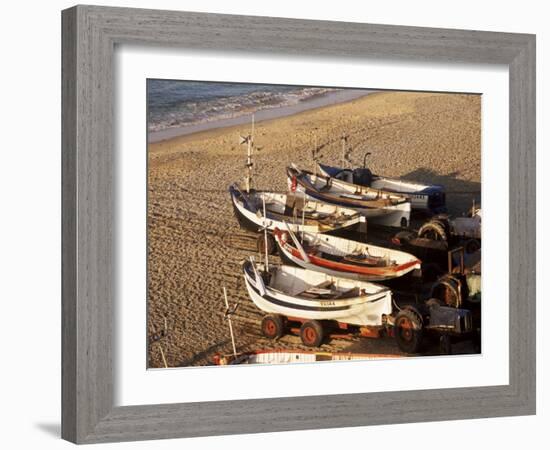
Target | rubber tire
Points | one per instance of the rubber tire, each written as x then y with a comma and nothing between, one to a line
433,227
271,244
451,284
312,333
408,341
273,326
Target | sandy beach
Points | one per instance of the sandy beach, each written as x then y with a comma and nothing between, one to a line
196,246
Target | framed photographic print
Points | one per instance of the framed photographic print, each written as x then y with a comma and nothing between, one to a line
264,229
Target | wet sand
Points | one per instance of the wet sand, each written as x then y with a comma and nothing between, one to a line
196,246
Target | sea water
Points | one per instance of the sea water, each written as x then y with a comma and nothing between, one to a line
192,105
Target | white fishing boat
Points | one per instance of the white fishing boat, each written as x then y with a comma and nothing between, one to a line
341,257
306,294
423,197
380,207
297,210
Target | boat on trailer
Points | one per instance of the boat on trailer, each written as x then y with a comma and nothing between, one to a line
311,295
423,197
342,257
295,209
378,206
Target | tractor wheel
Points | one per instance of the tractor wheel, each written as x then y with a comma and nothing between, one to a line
311,333
433,230
447,290
273,326
408,331
271,245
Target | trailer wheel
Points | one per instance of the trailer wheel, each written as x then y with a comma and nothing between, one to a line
311,333
271,245
273,326
408,331
433,230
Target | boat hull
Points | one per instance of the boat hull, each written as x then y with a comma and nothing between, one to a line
362,311
291,255
253,220
426,198
392,210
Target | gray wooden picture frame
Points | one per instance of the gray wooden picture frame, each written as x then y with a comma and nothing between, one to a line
90,34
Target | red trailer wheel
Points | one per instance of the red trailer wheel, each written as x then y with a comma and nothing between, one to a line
408,331
311,333
273,326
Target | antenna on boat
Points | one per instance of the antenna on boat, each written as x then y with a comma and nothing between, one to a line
265,236
365,159
315,156
303,213
249,141
227,315
344,140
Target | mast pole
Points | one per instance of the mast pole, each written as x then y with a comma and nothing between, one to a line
249,148
228,314
248,165
265,236
303,214
343,151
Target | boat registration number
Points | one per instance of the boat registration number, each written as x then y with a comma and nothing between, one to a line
327,303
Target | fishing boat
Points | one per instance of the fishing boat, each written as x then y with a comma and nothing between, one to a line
341,257
295,209
294,357
423,197
295,292
379,207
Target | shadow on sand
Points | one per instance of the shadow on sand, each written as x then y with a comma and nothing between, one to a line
460,193
199,357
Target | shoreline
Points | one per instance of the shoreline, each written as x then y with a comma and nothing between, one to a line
262,115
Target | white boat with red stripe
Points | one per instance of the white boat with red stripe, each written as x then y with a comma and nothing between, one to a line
343,257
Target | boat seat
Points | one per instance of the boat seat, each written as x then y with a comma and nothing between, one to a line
319,290
366,260
351,292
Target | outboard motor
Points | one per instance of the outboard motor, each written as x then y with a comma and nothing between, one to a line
362,177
